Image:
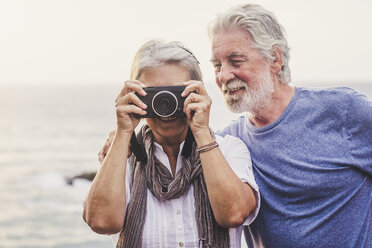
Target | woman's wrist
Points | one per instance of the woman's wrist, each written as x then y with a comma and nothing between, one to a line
123,131
122,136
207,147
203,137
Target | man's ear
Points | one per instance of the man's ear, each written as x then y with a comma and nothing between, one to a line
277,62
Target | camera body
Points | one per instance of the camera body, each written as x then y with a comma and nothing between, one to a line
163,101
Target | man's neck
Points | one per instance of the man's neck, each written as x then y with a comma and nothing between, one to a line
281,97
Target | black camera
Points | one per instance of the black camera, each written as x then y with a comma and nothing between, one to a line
163,101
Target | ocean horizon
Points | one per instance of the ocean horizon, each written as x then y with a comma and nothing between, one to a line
52,132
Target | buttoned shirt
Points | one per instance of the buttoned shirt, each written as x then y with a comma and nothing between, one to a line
172,223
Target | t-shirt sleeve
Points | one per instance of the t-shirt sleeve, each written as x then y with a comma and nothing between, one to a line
359,126
238,157
231,129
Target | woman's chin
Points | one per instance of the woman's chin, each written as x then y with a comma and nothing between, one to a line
168,123
168,119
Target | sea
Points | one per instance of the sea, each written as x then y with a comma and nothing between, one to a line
49,133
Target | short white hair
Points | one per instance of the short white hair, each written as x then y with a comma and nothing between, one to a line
157,52
264,28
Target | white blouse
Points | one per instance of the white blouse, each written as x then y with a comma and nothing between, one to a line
172,223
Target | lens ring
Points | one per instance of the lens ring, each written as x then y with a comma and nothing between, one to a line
155,103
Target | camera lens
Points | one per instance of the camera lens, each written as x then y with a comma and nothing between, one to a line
164,103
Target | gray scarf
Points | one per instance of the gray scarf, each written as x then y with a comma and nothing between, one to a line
157,178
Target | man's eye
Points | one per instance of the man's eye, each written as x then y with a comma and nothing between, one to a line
236,62
217,66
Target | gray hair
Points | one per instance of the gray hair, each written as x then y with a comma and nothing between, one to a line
157,52
264,28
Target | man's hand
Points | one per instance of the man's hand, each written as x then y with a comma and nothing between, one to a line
103,152
106,147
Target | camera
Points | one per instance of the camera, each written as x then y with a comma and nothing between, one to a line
163,101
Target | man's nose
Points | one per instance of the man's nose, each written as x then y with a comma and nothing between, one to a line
225,74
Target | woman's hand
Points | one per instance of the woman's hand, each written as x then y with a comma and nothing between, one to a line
105,205
197,106
127,104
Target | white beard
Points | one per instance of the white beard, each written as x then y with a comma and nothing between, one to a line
252,99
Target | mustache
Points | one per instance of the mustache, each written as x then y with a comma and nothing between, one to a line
232,85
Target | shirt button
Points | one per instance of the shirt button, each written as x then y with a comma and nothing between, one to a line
180,244
179,227
178,211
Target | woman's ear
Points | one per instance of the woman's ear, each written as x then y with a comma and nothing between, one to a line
276,62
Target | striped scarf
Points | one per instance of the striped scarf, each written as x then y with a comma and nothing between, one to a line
157,178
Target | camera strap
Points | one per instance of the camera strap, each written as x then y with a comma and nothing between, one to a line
138,148
187,147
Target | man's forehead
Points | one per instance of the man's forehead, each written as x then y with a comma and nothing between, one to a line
236,53
228,54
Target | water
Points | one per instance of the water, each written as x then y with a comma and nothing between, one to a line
46,134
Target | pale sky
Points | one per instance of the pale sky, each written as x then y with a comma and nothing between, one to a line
93,41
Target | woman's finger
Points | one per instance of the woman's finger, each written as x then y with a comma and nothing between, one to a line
194,86
196,98
132,86
131,98
122,110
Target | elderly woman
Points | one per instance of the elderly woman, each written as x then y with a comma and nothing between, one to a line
173,199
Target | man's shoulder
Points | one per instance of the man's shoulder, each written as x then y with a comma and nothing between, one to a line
337,102
335,97
335,92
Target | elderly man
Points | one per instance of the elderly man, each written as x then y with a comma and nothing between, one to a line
311,149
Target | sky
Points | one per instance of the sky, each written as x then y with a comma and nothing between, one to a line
93,41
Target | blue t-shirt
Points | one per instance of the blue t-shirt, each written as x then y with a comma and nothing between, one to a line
313,167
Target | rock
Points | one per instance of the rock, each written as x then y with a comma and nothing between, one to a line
85,175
